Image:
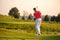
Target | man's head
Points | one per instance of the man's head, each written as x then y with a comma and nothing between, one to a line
34,9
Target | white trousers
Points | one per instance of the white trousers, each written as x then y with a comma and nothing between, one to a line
37,25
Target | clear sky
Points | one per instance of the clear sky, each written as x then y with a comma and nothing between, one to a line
50,7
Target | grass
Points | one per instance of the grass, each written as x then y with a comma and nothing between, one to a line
30,26
16,29
4,18
9,34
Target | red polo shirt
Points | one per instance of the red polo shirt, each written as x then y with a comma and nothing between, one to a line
37,14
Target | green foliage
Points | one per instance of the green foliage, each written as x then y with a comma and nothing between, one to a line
46,18
14,12
53,18
58,17
30,17
23,17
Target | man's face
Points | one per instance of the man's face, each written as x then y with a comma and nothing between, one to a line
34,9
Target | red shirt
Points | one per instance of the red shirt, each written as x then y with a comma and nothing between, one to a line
37,14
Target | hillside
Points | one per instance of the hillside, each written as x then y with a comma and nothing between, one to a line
16,29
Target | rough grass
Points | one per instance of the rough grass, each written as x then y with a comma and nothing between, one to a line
12,23
9,34
30,26
4,18
16,29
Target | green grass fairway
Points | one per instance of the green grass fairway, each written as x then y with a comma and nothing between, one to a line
10,34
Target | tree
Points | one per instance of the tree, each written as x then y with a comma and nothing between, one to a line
58,17
53,18
25,15
30,16
46,18
14,12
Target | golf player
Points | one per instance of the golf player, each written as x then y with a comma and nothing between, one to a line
37,15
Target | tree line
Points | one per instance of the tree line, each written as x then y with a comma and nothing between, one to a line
15,13
52,18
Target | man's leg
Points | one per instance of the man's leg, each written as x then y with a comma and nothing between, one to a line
38,26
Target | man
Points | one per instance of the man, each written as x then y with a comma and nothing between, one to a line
37,15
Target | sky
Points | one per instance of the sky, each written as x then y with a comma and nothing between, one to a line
46,7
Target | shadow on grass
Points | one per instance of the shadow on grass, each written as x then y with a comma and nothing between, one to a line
39,38
14,38
50,38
